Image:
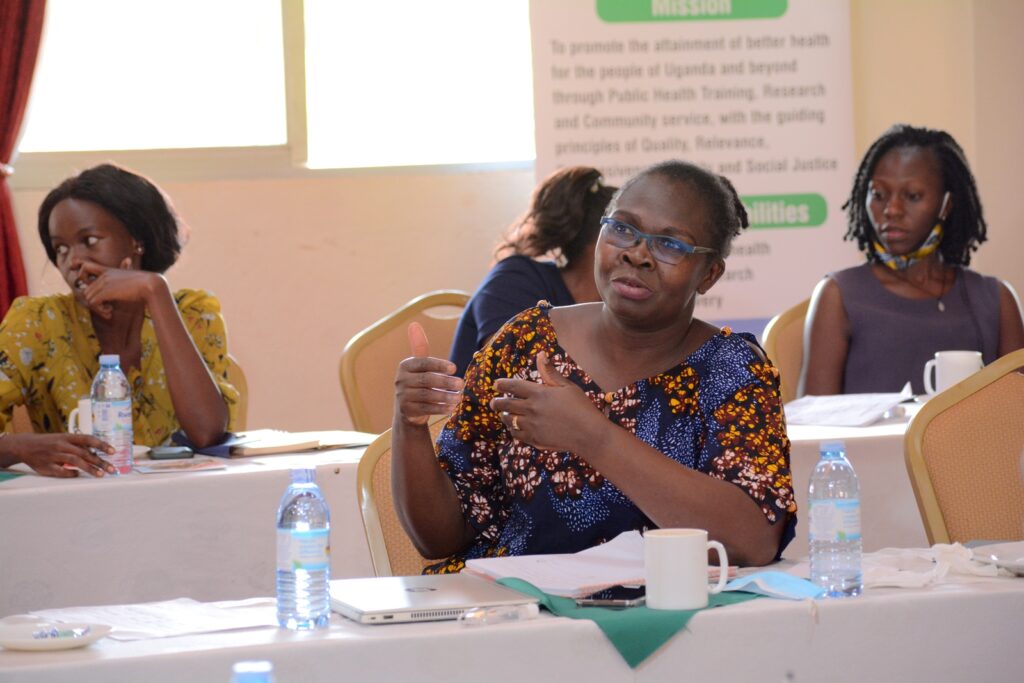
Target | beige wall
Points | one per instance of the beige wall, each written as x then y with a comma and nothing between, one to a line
913,63
302,264
998,135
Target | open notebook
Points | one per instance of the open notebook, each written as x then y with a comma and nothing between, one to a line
271,441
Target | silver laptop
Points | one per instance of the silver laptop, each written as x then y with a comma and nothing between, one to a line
394,599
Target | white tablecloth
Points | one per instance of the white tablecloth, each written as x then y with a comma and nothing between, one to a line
210,535
966,631
889,515
146,537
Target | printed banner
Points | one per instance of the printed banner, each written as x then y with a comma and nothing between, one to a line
757,90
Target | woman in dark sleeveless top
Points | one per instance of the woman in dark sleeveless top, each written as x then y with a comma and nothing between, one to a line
915,213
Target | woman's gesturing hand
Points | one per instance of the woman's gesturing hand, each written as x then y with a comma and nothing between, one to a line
553,414
425,386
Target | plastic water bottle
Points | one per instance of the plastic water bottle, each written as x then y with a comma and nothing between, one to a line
111,397
834,499
252,671
303,555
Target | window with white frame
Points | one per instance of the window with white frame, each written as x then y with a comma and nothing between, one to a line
395,83
408,82
127,75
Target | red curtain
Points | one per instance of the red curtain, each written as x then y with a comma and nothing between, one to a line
21,27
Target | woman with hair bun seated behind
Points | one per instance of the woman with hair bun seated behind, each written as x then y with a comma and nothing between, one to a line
577,423
916,214
111,234
562,221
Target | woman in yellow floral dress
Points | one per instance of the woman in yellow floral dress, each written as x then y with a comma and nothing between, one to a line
112,235
577,423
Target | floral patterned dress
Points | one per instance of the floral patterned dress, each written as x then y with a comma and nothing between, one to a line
49,355
719,412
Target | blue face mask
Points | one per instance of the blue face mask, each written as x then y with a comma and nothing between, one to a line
776,585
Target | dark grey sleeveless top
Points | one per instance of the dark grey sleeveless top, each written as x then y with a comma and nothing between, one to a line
891,338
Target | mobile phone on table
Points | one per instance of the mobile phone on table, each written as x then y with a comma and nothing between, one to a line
170,452
616,596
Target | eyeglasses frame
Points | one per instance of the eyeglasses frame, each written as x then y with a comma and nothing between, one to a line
685,250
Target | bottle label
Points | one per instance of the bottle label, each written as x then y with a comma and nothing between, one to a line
110,417
112,422
308,550
835,520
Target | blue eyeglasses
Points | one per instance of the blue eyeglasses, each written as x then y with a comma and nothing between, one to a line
665,249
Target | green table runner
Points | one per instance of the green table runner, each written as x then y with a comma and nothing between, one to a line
636,632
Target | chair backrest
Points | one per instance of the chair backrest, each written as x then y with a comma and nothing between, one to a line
391,551
965,456
21,423
783,341
370,359
1016,297
237,377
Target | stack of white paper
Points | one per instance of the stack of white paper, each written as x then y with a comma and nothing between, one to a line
619,562
842,410
170,617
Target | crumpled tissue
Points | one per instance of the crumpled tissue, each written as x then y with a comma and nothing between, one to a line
919,567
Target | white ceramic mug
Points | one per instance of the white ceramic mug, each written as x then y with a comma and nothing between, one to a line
950,367
676,565
80,419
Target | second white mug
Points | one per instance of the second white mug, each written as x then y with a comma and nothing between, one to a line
676,565
949,368
80,419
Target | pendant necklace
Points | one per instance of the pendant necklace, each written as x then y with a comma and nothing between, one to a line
938,299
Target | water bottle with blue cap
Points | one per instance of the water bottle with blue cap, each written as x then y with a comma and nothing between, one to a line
835,542
303,555
112,411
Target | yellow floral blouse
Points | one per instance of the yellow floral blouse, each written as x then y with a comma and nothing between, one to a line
49,355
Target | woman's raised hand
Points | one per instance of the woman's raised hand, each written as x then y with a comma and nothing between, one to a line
553,414
424,385
108,286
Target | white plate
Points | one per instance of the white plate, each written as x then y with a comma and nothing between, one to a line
22,636
1005,555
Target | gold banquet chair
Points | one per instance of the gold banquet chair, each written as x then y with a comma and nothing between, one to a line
783,341
237,378
20,423
965,456
370,359
391,551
